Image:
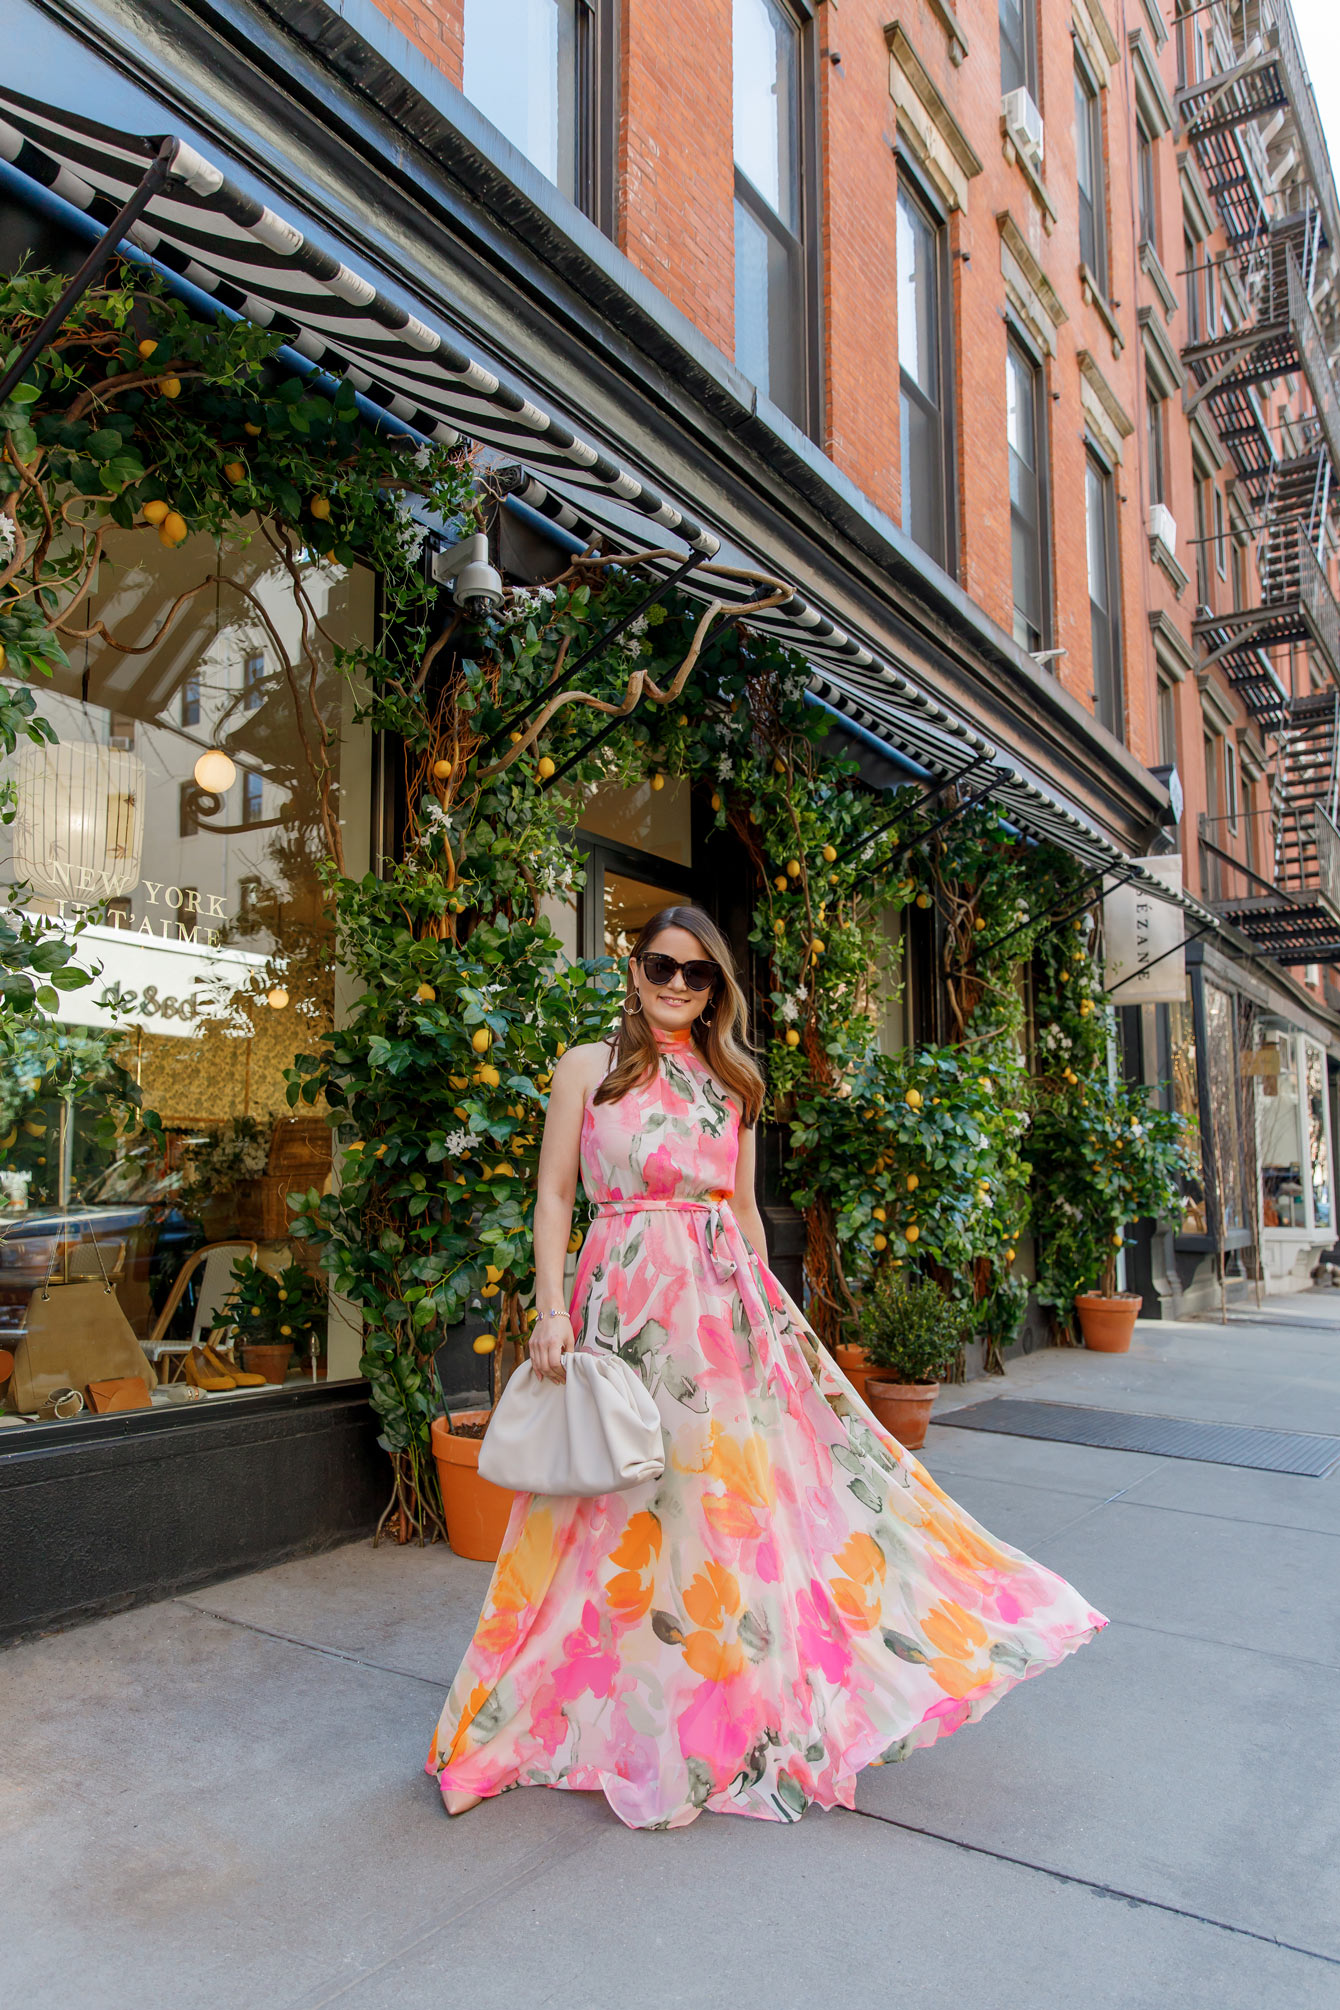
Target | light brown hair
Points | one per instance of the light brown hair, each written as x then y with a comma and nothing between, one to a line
720,1041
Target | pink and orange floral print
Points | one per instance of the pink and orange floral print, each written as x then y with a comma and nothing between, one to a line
794,1599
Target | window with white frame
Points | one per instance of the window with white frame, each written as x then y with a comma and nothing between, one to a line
770,284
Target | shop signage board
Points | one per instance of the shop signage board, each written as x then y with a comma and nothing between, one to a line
164,985
1144,938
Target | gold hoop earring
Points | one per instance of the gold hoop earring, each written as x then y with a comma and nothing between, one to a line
630,1009
708,1013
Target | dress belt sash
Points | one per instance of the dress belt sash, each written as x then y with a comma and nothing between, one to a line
719,1226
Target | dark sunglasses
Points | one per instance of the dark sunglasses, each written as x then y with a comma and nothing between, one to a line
699,974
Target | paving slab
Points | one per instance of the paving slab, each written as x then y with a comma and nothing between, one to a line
1080,1469
1172,1768
408,1608
1236,1493
1272,1589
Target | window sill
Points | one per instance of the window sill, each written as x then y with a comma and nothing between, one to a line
1032,177
1166,561
1095,297
1152,267
949,21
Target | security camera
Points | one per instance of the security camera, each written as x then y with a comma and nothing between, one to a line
475,583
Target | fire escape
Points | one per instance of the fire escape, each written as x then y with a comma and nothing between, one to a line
1253,129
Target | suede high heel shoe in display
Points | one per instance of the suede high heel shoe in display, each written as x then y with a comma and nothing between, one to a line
197,1370
220,1365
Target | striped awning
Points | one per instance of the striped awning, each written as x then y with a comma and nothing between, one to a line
259,265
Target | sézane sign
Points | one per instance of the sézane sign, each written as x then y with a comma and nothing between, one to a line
166,978
1144,938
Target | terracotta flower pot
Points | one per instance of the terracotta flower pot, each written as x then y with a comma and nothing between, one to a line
904,1408
1108,1323
854,1363
477,1512
266,1357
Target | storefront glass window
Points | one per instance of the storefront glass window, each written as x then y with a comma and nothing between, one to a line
629,906
1186,1098
641,818
179,793
1283,1193
1224,1108
1318,1143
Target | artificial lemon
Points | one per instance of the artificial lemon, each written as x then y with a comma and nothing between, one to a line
235,472
488,1291
881,1242
574,1242
1118,1239
923,900
791,1037
320,507
155,512
913,1099
830,853
287,1332
170,387
658,781
486,1343
493,1274
879,1214
979,924
1085,1007
544,767
912,1182
816,947
173,528
425,994
489,1076
252,428
793,868
911,1233
780,882
441,770
481,1039
716,800
146,349
1009,1256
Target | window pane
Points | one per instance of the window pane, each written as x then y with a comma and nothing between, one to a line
767,322
1283,1200
767,103
1096,533
918,298
629,906
1103,631
216,954
520,70
1319,1157
923,476
1015,69
1088,162
1021,409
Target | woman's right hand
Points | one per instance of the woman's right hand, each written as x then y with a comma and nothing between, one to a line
551,1338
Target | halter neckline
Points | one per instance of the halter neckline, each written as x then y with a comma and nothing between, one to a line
678,1037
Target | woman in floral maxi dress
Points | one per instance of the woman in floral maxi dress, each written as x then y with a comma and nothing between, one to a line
794,1598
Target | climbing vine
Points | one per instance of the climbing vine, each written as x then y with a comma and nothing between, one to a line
142,418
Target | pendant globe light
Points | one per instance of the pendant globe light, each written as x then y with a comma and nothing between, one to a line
79,821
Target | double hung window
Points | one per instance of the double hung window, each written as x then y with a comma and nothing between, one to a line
1025,410
1104,593
1089,175
924,403
771,293
543,71
1019,47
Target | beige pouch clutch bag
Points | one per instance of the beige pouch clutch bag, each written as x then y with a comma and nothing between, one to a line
597,1433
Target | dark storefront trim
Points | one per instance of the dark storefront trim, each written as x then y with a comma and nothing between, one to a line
109,1513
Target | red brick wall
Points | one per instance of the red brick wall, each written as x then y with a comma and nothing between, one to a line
677,194
436,27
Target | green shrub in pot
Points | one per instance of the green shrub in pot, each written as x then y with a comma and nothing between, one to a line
909,1328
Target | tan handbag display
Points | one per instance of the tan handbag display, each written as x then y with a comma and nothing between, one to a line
74,1334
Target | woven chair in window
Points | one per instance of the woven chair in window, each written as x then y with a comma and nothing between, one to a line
215,1263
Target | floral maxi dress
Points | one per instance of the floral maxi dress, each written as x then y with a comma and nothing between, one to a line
794,1598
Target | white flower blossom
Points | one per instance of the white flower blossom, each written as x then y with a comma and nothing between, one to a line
791,1006
458,1143
725,768
530,600
6,537
422,457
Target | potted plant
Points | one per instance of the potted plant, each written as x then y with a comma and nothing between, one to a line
1102,1141
271,1313
911,1336
475,1511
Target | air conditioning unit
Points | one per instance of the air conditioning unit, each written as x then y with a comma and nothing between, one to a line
1163,527
1023,124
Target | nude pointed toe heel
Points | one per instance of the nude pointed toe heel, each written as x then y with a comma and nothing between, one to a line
457,1803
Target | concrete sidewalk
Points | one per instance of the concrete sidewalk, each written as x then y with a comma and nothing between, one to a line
217,1802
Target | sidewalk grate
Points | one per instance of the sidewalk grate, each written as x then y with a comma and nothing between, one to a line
1299,1452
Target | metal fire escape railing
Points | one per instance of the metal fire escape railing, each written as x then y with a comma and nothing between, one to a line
1275,873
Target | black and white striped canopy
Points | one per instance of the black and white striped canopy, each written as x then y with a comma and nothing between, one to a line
259,265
